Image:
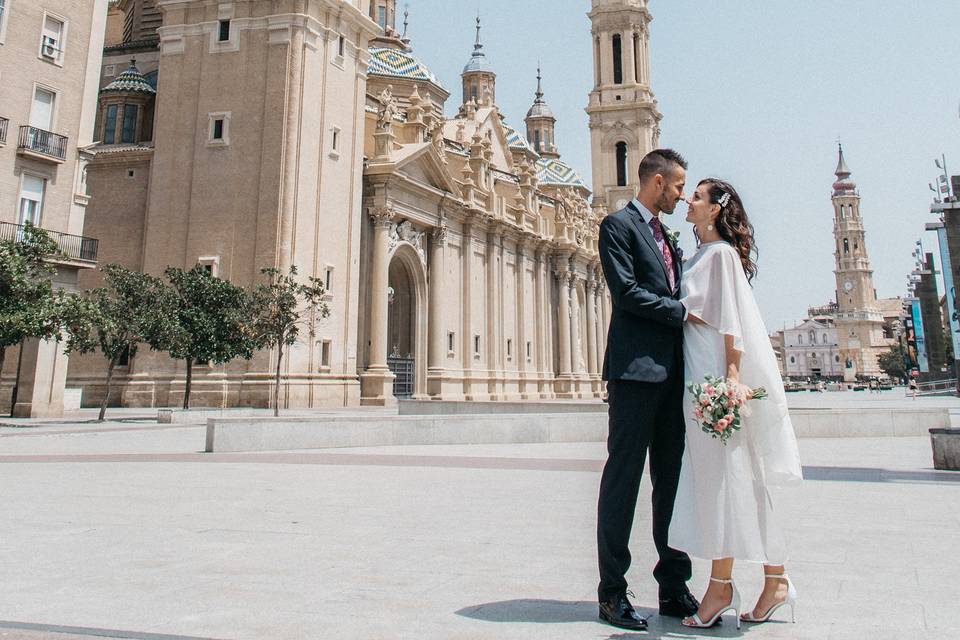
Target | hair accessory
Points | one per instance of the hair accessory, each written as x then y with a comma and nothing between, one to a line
724,200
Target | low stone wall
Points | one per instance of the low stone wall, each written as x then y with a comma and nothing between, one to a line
449,408
320,432
946,449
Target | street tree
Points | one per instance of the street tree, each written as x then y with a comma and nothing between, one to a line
893,362
282,306
132,309
212,322
29,306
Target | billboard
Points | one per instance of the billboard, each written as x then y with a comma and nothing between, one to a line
922,362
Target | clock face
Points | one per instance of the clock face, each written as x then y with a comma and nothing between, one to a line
848,285
621,203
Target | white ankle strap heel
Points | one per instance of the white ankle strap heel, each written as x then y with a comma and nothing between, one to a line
790,601
696,622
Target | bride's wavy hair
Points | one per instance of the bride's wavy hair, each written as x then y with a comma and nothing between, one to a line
733,224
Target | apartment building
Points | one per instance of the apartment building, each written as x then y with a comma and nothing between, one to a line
50,53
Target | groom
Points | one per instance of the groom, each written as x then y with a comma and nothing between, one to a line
644,369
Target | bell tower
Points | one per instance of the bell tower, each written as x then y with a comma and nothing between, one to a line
855,292
858,318
624,120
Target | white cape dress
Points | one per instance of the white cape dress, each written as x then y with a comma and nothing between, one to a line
723,508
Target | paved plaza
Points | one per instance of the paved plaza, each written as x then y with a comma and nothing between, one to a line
126,530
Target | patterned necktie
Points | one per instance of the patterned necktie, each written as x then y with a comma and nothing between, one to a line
658,235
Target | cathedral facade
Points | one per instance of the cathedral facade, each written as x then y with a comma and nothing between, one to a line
459,251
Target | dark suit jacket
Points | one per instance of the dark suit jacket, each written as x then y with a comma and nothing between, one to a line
645,338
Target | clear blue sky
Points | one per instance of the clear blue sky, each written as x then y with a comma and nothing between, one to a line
758,93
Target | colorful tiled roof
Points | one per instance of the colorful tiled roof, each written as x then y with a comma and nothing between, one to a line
557,172
514,139
395,63
130,81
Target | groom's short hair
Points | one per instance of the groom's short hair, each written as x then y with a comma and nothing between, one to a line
662,161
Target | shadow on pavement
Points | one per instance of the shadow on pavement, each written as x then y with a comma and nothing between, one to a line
537,611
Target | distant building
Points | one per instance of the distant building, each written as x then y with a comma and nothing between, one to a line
811,349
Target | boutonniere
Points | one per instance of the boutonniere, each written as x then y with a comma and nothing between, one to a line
673,237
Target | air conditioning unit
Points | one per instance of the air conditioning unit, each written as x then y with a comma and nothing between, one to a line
49,49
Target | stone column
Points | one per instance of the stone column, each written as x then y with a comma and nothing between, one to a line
436,343
43,376
520,349
539,322
563,289
576,331
466,339
492,296
376,383
591,299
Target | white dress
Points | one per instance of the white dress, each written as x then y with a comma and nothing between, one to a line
723,508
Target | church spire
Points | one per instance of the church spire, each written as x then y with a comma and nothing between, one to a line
479,80
844,185
541,123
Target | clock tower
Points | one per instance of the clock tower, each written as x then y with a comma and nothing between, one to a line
624,120
859,320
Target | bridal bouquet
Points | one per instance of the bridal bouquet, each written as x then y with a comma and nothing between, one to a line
718,403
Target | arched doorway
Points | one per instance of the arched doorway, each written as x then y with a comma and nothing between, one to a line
406,323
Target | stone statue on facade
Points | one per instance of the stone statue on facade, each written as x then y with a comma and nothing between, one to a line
389,107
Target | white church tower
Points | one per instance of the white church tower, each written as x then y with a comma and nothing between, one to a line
624,121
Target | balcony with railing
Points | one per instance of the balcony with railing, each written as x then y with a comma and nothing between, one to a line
42,145
4,123
73,248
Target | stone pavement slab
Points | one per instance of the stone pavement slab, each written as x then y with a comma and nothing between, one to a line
158,541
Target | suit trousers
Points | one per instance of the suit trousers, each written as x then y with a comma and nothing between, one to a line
643,416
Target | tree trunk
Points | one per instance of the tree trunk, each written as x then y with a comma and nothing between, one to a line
3,356
276,382
186,392
106,396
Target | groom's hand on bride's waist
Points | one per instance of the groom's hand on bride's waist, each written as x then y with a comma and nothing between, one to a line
694,319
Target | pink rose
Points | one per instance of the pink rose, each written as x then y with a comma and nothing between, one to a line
721,424
708,389
728,418
705,402
698,413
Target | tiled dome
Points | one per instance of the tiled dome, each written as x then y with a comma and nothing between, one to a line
515,140
394,63
556,172
130,81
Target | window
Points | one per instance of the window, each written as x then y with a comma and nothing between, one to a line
110,125
131,173
509,348
41,112
451,341
800,339
836,359
536,140
108,70
841,212
621,164
617,59
223,33
793,360
529,350
813,338
31,199
341,45
210,264
335,142
325,354
219,133
382,16
328,279
128,132
3,10
824,338
476,346
52,39
846,246
124,360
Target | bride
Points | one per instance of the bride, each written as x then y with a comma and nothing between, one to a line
723,509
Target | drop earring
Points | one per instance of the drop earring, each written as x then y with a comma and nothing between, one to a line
709,227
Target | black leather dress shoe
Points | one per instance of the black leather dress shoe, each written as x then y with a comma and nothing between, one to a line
620,613
678,605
